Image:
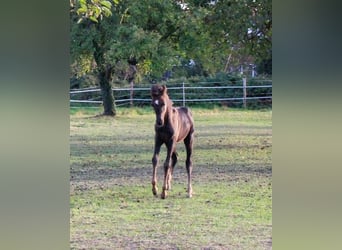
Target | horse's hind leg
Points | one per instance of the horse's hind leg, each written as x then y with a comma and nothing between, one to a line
188,141
168,167
173,164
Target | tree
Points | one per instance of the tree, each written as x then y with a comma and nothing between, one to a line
145,35
220,33
137,31
243,26
91,23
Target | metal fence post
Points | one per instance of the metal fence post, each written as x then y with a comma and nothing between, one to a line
183,95
131,93
244,83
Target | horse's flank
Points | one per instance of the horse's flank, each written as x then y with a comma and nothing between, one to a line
184,122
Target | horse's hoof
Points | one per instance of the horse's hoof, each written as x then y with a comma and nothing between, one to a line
163,195
155,191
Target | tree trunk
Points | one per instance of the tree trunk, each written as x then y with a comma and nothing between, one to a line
107,93
130,76
105,76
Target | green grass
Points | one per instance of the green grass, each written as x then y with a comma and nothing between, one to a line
112,206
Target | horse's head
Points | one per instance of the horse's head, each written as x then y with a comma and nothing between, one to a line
160,102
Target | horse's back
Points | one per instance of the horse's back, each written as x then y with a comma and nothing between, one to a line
185,110
185,114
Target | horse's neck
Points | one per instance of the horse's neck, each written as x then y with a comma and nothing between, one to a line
169,111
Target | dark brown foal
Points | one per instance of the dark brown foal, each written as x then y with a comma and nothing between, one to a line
172,125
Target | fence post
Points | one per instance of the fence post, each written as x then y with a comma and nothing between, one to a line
183,95
131,93
244,83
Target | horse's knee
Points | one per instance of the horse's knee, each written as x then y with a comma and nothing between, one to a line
155,160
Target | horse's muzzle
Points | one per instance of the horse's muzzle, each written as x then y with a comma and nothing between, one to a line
159,123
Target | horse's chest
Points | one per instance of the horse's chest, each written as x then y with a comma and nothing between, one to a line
165,134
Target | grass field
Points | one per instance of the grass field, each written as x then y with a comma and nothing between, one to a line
111,202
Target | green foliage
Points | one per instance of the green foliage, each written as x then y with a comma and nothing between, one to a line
127,34
246,25
133,42
94,9
265,67
84,81
227,34
216,35
147,33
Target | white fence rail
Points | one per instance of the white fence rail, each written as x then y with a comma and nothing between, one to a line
183,94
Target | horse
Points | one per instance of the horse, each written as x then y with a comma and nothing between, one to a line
173,124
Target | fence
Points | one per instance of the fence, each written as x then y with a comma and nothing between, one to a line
237,94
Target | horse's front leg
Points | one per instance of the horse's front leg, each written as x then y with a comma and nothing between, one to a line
167,168
155,160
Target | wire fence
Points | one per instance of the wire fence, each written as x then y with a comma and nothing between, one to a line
238,94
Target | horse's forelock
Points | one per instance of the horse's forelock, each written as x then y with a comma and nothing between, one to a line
158,90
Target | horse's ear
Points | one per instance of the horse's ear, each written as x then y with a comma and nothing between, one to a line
164,91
